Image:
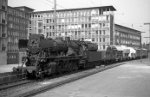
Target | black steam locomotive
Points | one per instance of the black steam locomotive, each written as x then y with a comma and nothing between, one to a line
46,56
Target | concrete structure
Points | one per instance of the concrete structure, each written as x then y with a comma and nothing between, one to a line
127,36
95,23
18,21
3,32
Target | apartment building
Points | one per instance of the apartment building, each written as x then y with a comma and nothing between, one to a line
3,32
18,19
127,36
92,23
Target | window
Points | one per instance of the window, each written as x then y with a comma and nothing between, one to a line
47,21
99,39
100,32
39,31
103,46
103,39
93,39
82,25
75,32
107,17
104,32
85,25
89,25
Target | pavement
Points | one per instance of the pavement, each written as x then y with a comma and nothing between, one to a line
7,68
129,80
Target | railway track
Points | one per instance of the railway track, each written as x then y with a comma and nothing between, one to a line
32,88
10,77
13,84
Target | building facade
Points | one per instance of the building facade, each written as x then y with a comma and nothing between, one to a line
17,26
127,36
94,23
3,32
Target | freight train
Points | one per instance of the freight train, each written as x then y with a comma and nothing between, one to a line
46,56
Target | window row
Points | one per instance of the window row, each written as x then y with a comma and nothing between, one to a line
17,20
124,35
73,26
74,13
66,13
17,26
12,56
17,13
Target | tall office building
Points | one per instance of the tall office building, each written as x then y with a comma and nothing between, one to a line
3,32
17,26
93,23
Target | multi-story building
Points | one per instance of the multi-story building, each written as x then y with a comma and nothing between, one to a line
93,23
127,36
3,32
17,26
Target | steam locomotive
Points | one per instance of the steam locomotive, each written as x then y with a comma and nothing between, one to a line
46,56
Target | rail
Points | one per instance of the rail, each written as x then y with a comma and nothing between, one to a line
12,78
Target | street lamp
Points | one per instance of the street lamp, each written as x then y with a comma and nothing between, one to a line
149,34
141,47
149,37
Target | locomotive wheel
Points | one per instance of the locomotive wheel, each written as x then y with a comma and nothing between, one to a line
38,75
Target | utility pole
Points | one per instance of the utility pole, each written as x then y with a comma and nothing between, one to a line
149,34
55,18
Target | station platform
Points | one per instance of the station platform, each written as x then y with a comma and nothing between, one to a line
128,80
8,67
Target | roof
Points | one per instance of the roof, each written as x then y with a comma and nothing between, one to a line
127,28
24,7
101,7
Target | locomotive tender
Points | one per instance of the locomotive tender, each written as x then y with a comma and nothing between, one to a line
46,56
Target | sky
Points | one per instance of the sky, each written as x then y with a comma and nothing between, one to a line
130,13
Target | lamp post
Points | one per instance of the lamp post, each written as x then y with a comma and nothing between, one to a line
148,47
149,34
141,46
149,38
